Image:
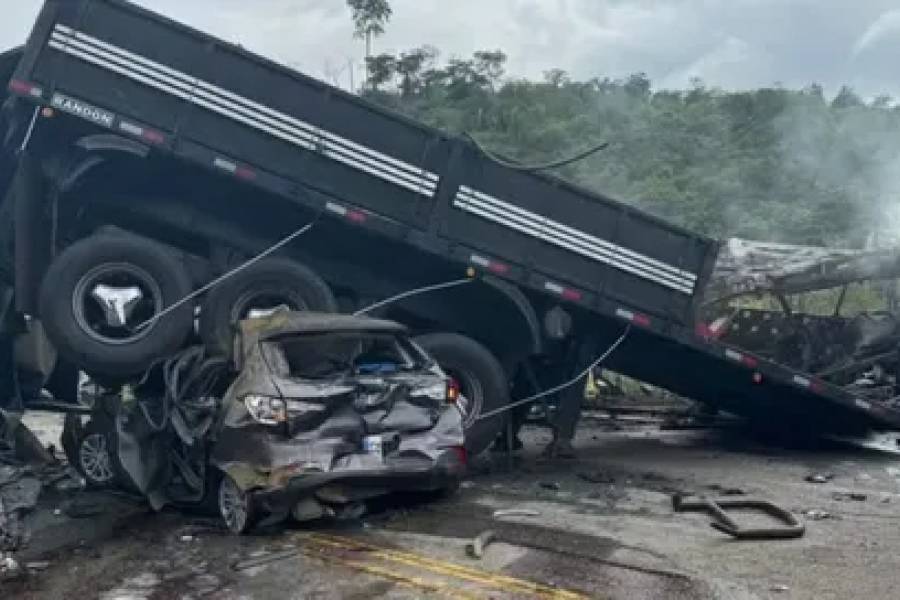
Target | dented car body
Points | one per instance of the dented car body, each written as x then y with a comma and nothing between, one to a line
320,412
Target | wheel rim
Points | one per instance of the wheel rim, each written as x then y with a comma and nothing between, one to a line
233,505
471,401
95,459
112,301
263,303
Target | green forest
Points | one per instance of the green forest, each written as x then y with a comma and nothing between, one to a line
772,164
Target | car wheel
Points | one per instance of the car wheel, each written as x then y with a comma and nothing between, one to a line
236,507
482,383
99,291
95,454
257,291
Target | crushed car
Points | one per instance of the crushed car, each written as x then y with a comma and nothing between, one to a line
312,415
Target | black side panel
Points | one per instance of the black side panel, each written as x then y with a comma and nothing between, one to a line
576,237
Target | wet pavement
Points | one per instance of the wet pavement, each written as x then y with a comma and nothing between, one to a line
600,526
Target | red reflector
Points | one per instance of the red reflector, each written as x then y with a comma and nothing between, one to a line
20,87
573,295
153,136
244,173
642,320
461,454
750,361
757,377
498,268
703,330
357,216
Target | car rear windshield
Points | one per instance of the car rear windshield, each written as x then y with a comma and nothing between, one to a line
319,356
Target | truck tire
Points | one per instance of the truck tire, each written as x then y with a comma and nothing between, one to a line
267,284
99,290
482,382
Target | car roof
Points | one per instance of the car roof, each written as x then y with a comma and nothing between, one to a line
299,323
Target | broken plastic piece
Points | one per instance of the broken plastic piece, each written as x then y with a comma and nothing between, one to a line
475,549
792,528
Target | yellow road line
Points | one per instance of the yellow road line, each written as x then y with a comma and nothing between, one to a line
501,582
405,580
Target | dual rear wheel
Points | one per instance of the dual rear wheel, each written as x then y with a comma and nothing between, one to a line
113,304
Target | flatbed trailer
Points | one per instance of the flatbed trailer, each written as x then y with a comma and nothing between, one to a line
106,84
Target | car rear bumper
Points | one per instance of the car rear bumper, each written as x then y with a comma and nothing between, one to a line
445,472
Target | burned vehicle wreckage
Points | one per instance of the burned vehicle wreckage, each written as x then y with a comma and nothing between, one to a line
315,414
760,300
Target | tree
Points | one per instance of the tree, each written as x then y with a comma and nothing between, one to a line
490,64
381,70
411,68
556,77
637,85
846,98
369,19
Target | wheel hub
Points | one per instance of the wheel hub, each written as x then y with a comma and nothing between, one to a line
95,459
118,303
113,301
233,505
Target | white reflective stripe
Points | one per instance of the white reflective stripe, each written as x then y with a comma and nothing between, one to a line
674,272
537,233
239,113
71,35
241,109
863,404
131,128
534,230
418,187
561,239
336,208
480,261
801,381
625,314
225,165
554,287
735,356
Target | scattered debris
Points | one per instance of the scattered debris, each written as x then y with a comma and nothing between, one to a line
818,515
475,548
264,559
844,496
819,477
19,491
516,512
187,538
38,565
9,568
597,477
550,485
780,588
82,508
791,528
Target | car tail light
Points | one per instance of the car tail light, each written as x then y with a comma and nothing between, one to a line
452,391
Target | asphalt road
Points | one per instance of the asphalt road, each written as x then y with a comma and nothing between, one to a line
600,527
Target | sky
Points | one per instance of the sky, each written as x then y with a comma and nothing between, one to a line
732,44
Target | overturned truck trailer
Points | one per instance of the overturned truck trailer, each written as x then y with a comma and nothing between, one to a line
146,158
